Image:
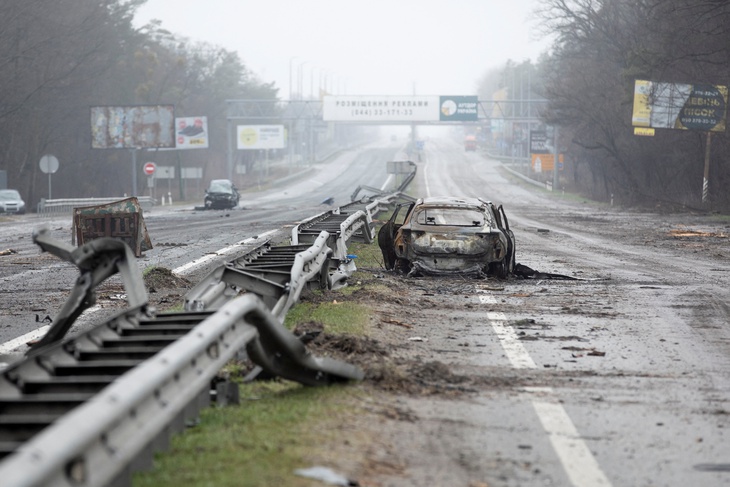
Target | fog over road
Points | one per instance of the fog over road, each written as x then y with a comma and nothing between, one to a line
620,378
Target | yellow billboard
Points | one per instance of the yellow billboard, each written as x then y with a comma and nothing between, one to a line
679,106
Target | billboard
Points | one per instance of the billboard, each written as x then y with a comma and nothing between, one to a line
459,108
679,106
371,108
539,143
130,127
191,133
260,137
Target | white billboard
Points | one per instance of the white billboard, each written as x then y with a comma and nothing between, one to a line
191,133
132,127
261,137
371,108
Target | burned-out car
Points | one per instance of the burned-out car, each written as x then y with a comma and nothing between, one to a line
448,235
221,194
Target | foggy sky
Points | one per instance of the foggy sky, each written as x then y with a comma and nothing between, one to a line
378,47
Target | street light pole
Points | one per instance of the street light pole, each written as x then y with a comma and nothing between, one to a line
290,69
300,75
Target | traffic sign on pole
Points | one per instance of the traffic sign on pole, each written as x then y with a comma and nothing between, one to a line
149,168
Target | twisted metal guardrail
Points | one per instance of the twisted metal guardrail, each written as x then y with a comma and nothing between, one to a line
100,441
92,410
277,274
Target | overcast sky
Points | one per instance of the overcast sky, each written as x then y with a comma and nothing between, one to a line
377,47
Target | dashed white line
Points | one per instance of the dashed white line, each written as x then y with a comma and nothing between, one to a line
513,348
577,459
578,462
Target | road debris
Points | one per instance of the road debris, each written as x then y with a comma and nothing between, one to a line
326,475
396,322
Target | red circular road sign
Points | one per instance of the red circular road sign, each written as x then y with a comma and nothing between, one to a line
149,168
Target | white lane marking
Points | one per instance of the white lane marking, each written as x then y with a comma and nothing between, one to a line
516,353
577,459
218,253
11,345
578,462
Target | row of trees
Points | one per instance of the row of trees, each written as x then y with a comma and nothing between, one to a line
600,48
61,57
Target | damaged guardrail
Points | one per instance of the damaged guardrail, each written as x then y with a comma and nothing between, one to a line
100,441
342,228
97,261
93,409
277,274
407,168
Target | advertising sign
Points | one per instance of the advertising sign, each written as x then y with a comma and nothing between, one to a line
679,106
539,142
371,108
261,137
459,108
130,127
191,133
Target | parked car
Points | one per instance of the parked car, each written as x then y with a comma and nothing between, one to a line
448,235
221,193
11,202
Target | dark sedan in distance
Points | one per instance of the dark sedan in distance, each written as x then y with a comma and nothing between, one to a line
221,194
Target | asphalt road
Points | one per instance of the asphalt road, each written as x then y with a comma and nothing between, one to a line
621,377
34,285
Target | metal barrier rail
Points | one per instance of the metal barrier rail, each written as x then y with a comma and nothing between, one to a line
156,374
342,228
276,274
61,205
100,441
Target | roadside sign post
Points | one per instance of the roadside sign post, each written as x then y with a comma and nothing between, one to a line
149,169
49,165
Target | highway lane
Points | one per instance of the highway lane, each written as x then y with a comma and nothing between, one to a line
628,370
34,285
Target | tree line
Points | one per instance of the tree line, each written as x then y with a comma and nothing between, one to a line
60,58
599,49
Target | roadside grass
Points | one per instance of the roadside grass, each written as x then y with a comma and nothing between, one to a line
279,426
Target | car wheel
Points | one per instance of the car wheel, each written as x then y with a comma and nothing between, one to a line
498,269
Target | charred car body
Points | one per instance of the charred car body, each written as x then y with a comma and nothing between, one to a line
221,194
447,235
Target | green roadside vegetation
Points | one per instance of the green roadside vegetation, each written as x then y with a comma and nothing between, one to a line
279,426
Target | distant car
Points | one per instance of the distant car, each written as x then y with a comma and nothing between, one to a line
221,194
448,236
11,202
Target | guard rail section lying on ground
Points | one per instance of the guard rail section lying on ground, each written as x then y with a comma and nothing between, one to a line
93,409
